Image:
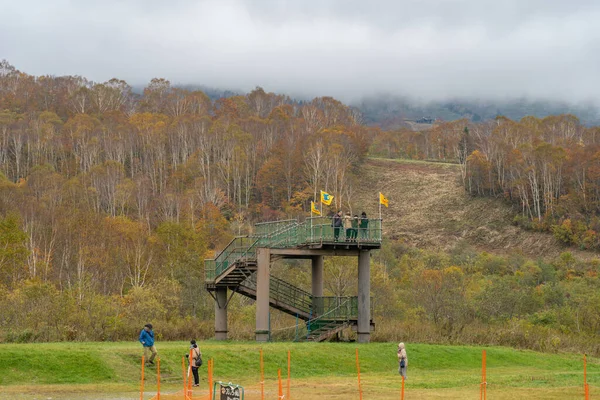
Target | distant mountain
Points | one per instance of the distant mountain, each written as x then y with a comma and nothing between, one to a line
391,112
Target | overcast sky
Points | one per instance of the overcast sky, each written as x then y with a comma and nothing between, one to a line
429,49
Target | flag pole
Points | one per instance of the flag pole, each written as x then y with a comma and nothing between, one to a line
380,206
311,223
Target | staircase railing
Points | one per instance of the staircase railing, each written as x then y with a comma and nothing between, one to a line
284,292
239,248
330,312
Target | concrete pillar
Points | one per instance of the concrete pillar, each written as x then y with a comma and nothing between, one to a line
263,257
364,297
221,313
317,276
317,282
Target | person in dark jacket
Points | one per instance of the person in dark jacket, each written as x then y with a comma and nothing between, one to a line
337,225
147,340
364,226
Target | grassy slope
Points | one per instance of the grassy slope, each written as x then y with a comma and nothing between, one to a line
429,209
113,367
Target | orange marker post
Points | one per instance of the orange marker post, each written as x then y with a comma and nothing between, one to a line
402,392
280,386
483,385
586,387
210,379
158,379
289,376
189,374
142,381
184,378
262,377
360,393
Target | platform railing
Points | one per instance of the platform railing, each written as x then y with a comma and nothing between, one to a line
291,233
321,230
265,229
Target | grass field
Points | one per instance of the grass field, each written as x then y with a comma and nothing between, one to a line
111,371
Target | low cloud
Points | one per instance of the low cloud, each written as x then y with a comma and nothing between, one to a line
428,49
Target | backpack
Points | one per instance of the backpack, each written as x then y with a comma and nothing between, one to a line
198,359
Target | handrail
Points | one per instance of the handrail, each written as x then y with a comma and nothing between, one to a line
283,291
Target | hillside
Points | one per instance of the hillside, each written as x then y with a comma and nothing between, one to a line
430,209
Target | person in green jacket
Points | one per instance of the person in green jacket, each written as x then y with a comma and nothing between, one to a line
354,232
364,226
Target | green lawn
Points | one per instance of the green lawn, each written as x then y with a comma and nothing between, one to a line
110,367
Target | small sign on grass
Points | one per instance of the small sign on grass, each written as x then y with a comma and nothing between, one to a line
228,391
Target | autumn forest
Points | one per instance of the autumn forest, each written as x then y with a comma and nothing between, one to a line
110,199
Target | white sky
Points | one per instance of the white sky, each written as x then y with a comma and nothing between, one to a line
430,49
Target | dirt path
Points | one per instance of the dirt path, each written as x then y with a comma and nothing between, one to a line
429,209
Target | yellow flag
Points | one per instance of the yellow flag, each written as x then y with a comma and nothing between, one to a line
382,199
314,209
326,198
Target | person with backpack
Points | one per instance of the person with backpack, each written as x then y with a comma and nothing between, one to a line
402,360
195,360
147,340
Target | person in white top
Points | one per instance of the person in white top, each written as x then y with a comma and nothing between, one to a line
402,360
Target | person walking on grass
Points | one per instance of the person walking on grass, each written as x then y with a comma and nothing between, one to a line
195,361
147,340
402,360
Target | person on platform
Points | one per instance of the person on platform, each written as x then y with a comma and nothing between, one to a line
147,340
364,226
337,225
348,226
354,228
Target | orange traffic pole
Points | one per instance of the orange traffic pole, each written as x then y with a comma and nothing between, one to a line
184,378
360,393
280,386
586,387
402,393
189,374
289,373
142,381
483,386
210,379
262,377
158,379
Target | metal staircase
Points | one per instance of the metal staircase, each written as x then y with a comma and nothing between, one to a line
235,268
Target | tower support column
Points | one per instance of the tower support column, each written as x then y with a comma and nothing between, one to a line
364,296
221,313
263,256
317,283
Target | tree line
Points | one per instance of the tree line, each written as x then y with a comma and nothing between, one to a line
109,196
